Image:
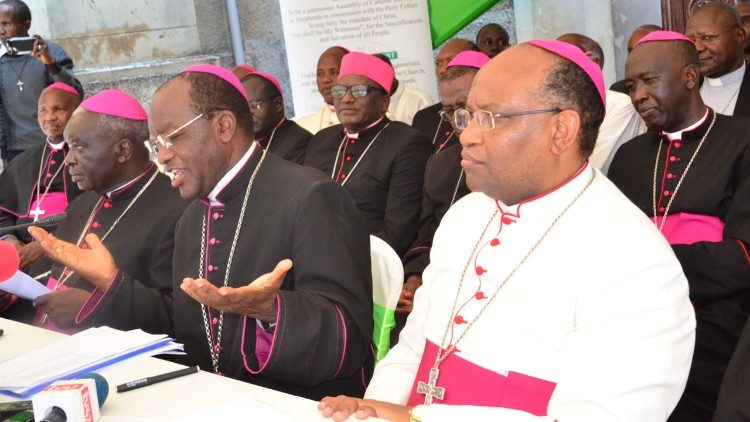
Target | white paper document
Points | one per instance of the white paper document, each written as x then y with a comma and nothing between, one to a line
88,351
24,286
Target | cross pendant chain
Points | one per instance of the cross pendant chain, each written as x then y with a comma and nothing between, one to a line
36,213
20,85
430,389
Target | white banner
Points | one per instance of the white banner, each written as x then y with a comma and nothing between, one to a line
398,28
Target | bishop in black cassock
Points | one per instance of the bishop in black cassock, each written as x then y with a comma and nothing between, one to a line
271,128
39,176
129,205
305,331
379,162
439,131
691,174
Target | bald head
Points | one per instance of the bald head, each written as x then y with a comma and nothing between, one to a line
327,71
492,39
587,45
639,33
450,50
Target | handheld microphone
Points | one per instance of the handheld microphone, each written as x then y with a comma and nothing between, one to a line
72,400
14,281
52,220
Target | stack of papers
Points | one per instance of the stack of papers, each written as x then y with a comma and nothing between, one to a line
88,351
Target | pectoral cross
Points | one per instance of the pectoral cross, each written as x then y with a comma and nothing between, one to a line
20,85
430,389
36,213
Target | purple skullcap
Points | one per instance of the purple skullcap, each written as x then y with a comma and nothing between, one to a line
469,58
62,87
663,36
363,64
219,72
113,102
268,77
579,58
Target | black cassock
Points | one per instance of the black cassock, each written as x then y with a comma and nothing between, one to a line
444,184
386,183
718,185
141,244
18,183
321,343
437,130
289,141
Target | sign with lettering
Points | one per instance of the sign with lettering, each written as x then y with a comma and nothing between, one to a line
400,29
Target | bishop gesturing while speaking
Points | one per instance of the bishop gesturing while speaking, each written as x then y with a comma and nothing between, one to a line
237,303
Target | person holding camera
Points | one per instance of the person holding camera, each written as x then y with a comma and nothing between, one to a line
27,66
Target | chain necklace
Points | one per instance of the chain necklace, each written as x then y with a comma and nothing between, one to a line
38,211
356,163
440,125
726,106
458,183
273,132
19,74
430,389
679,182
214,349
65,274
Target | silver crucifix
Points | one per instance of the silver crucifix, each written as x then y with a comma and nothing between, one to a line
36,213
430,389
20,85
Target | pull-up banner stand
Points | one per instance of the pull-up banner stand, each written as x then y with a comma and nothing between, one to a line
398,28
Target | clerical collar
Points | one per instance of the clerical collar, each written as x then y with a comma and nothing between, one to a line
127,185
55,146
731,78
356,135
678,134
230,175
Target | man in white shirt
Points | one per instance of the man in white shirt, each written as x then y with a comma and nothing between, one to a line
549,295
406,101
327,73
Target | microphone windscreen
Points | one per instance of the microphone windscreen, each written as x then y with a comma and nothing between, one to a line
102,386
9,260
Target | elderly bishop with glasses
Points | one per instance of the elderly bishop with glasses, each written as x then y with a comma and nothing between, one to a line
380,162
548,296
271,275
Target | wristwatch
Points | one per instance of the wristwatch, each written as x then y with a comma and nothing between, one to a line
415,413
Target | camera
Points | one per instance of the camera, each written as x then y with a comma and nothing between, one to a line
19,46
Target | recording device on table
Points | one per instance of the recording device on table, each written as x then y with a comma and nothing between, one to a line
20,46
72,400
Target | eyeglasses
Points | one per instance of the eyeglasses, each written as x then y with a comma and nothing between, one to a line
255,105
164,141
485,120
358,91
446,115
710,38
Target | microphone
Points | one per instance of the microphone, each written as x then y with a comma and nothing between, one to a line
52,220
71,400
14,281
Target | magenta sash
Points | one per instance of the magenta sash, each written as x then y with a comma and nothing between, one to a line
468,384
51,203
51,284
685,228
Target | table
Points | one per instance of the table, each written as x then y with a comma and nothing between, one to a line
184,397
